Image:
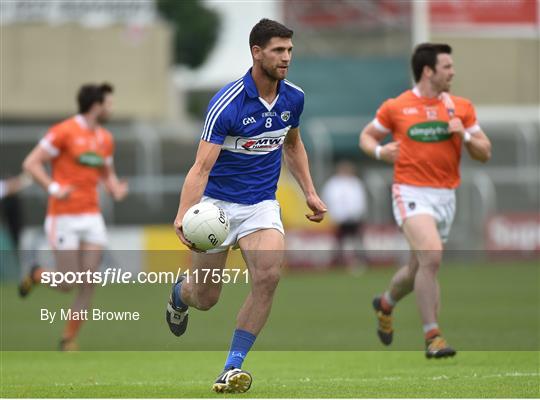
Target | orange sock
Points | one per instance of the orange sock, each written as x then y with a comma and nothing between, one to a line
72,329
432,333
36,275
387,308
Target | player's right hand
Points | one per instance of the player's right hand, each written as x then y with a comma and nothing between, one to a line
180,233
63,192
120,190
390,152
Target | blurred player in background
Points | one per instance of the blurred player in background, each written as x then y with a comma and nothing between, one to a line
249,124
345,196
14,185
80,152
10,215
429,127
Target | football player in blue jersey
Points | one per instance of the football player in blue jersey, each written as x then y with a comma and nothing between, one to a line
249,124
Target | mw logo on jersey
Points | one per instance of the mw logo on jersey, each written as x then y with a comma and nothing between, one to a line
260,144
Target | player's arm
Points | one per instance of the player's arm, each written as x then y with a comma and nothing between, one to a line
297,162
14,185
118,188
477,143
195,182
34,164
370,139
479,147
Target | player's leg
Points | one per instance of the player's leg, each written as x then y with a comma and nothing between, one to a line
402,284
198,292
422,234
89,258
92,237
339,258
263,252
423,237
194,290
64,241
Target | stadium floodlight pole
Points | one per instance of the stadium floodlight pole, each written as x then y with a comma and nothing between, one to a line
420,21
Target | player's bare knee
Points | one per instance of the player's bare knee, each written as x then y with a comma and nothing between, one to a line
267,281
206,299
431,261
207,302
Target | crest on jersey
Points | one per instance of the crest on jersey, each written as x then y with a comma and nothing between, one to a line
431,113
285,115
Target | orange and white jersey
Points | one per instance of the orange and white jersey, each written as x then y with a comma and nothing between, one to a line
79,155
429,155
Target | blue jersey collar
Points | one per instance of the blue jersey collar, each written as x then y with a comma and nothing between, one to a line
251,89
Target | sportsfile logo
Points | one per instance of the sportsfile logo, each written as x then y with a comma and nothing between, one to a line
260,144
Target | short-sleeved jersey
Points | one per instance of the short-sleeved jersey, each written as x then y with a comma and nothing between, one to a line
79,155
251,133
429,155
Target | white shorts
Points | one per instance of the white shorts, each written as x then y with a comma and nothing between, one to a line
66,232
245,219
410,200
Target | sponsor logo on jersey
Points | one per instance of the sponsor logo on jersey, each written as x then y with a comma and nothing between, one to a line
285,115
91,159
433,131
268,114
263,144
249,120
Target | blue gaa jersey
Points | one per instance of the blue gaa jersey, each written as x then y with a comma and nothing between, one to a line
251,133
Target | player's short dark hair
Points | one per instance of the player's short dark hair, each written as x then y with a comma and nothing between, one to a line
265,30
425,54
89,94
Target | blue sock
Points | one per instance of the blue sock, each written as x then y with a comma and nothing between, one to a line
240,345
176,298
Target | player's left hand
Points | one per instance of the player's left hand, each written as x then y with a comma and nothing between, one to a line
456,126
317,206
120,190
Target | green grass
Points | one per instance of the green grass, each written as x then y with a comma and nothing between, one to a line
276,374
320,341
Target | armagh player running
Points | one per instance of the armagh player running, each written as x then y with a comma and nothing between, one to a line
249,124
429,128
81,154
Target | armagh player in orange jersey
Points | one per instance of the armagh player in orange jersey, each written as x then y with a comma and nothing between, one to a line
80,152
429,128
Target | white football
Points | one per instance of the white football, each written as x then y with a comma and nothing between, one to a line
205,225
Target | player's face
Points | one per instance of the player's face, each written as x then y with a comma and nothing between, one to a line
275,57
105,109
444,72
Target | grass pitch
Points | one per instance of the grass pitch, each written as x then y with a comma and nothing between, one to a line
276,374
319,342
